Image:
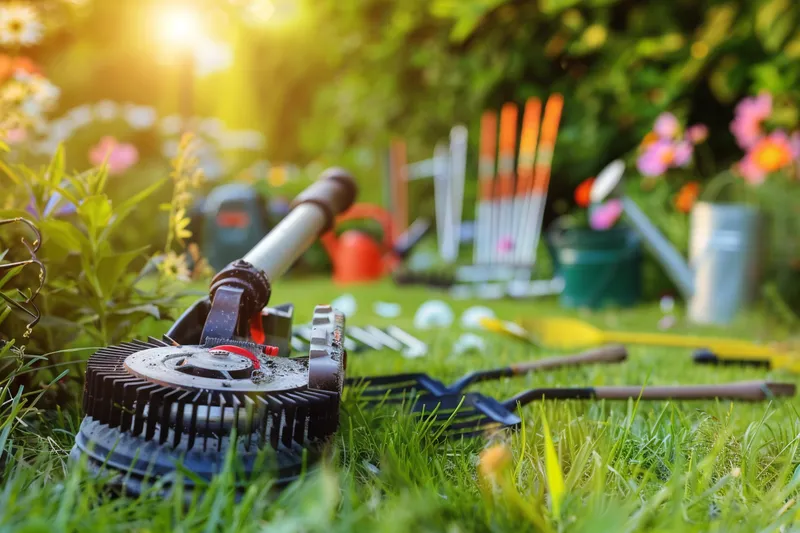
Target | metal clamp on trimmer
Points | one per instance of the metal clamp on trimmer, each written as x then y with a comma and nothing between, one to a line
215,383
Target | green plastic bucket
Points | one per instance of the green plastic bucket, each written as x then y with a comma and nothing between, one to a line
599,268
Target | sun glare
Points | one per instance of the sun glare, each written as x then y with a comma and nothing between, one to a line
179,26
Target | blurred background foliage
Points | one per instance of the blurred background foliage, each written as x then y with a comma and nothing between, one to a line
333,81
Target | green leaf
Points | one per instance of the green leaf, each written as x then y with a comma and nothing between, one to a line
64,235
111,270
148,309
774,21
126,208
10,274
55,170
95,212
555,477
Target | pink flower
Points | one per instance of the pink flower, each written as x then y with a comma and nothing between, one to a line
750,171
505,245
749,115
794,142
16,136
697,134
683,154
119,157
605,215
666,126
657,158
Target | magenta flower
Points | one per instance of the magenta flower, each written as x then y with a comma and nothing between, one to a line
119,157
505,245
750,171
750,113
666,126
657,158
604,216
683,154
794,143
697,134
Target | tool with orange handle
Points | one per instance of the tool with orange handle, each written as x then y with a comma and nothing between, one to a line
486,170
504,191
525,171
541,179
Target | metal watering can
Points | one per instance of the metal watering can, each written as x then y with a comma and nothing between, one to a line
722,272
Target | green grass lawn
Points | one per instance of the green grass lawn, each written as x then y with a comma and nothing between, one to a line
678,467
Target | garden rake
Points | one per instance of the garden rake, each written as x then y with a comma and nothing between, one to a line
396,388
470,415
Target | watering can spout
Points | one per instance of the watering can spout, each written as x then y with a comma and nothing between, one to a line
673,262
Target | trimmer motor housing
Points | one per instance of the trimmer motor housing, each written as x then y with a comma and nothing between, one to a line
221,382
153,405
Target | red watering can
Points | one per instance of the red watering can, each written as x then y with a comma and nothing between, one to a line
356,256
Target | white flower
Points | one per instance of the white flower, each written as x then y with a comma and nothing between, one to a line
141,117
20,25
44,92
106,110
213,127
212,166
80,116
170,148
171,125
61,130
433,314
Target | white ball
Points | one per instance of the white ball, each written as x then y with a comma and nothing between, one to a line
433,314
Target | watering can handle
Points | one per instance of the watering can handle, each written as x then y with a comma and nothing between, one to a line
313,213
369,211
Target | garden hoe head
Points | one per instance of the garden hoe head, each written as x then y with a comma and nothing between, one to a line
220,382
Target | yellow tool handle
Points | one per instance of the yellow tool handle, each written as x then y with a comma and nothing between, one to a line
722,347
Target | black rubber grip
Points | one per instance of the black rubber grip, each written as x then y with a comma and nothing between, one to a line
707,357
334,191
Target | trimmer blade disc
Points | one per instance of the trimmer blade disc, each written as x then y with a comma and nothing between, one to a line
150,405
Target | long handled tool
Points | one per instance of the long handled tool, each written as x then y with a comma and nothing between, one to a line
458,172
441,195
484,211
502,246
541,182
469,415
217,381
396,388
777,361
525,174
570,334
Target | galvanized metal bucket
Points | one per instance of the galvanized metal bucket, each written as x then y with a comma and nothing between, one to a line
724,254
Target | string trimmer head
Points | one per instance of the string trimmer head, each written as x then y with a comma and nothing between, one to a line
221,381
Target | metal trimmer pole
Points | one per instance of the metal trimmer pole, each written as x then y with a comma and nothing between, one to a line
243,288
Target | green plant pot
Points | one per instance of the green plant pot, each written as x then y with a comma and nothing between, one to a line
599,268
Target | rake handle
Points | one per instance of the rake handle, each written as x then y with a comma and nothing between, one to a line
606,354
743,390
613,353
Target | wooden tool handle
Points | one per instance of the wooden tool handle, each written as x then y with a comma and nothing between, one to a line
550,125
743,390
527,146
607,354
